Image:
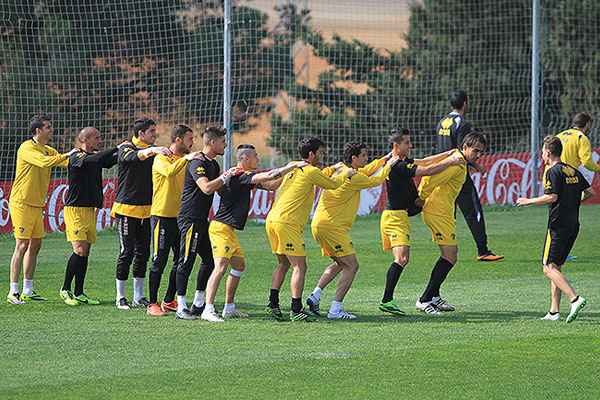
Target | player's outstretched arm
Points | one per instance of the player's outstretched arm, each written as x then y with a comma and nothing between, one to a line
271,180
585,155
439,167
152,151
209,187
436,158
537,201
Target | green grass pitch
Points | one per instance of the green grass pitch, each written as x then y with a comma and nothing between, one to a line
493,346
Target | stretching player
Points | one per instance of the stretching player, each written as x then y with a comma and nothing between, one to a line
27,199
132,209
201,181
287,219
232,215
85,195
333,220
167,181
401,196
565,189
439,193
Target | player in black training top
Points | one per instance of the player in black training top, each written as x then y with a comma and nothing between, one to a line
131,209
232,215
565,189
84,196
401,196
450,132
201,181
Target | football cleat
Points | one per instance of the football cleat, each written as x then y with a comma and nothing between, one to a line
197,310
172,306
575,308
143,302
426,307
342,314
85,299
33,297
275,312
68,298
391,307
154,310
313,305
235,313
441,304
185,314
489,256
551,317
122,304
211,316
14,298
302,316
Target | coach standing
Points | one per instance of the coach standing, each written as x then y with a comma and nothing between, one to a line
132,209
450,133
27,198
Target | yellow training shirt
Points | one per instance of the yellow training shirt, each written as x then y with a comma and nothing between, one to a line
297,194
337,208
577,150
167,180
441,190
34,163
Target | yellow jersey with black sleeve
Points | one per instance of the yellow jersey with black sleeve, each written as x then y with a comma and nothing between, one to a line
168,174
134,183
577,150
441,190
297,194
337,208
34,164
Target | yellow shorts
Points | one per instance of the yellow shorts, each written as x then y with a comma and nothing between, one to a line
443,229
285,239
395,229
27,221
333,242
80,223
224,241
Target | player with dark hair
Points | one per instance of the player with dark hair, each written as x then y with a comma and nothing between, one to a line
287,219
201,181
439,194
84,196
132,209
35,160
576,148
450,133
565,189
401,197
333,220
167,181
232,215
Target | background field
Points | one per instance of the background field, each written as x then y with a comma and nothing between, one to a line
494,346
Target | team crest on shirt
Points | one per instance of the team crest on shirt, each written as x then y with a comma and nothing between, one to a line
447,123
352,244
407,237
289,246
21,229
215,247
226,249
568,170
453,236
303,246
47,153
76,231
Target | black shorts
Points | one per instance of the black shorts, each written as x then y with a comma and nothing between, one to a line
558,244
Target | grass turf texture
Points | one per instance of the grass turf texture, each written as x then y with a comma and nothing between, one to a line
493,346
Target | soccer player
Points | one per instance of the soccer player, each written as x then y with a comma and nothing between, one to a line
201,181
167,181
287,219
132,209
565,189
85,194
450,132
232,215
333,220
401,195
35,160
576,148
439,193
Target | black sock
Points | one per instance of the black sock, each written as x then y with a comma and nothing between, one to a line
296,304
274,298
153,285
172,288
393,275
71,271
552,313
575,299
438,275
80,275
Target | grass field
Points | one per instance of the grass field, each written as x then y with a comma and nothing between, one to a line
493,346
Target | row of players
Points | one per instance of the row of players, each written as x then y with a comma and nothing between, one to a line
175,214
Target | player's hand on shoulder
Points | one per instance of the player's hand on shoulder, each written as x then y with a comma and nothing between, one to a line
388,156
195,155
123,143
68,154
457,161
392,160
351,172
162,150
300,164
339,165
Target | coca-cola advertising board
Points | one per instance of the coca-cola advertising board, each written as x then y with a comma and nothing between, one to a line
508,177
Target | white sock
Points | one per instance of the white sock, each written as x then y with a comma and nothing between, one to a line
336,307
14,288
229,307
138,288
317,293
181,303
120,289
27,287
209,307
199,298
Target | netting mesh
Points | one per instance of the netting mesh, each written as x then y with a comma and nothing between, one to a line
342,70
